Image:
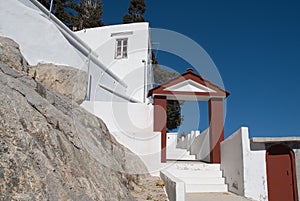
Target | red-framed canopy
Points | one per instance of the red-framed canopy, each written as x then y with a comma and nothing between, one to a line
189,86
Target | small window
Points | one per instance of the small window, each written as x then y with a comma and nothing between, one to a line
121,48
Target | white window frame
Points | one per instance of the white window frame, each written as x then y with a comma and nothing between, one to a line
121,51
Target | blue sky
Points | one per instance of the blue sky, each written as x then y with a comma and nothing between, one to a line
254,44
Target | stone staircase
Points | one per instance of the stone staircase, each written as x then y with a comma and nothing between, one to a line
179,154
199,177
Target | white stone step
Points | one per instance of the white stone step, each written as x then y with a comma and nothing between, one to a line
203,180
195,173
205,188
181,157
194,166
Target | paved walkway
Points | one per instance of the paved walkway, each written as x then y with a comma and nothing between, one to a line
214,197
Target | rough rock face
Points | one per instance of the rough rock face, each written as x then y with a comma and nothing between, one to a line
66,80
10,55
52,149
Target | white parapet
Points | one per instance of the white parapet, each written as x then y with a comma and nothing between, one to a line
201,146
243,168
175,188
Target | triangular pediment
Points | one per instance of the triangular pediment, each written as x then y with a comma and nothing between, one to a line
189,86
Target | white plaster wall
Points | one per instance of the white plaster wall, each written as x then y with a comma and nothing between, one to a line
131,124
123,116
144,144
39,39
255,171
182,143
171,141
201,146
243,168
175,188
131,70
232,162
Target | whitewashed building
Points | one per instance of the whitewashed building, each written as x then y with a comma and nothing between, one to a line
126,51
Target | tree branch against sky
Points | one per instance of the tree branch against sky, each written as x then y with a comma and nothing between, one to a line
77,14
135,13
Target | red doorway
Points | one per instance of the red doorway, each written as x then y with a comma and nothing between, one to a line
281,174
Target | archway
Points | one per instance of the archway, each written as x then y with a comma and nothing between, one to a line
191,86
281,173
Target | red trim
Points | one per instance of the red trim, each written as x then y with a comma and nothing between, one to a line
160,96
160,123
216,126
189,75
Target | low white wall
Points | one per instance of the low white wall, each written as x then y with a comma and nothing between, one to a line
171,141
243,168
175,188
182,142
186,141
201,146
232,162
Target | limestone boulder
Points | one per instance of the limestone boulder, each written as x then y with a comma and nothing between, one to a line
11,56
66,80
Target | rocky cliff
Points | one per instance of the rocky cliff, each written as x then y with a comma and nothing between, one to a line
51,148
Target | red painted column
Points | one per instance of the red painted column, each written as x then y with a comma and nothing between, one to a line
160,123
216,132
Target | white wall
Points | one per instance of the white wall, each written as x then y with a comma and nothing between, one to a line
243,168
201,146
171,141
198,144
175,188
132,126
232,162
39,38
123,116
131,70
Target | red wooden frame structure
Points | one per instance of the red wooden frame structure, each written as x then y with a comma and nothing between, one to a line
191,86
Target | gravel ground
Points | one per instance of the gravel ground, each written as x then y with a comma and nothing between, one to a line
148,190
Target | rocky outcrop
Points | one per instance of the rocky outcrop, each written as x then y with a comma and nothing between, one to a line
11,56
52,149
68,81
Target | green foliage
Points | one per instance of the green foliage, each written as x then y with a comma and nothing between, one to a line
135,13
174,118
127,18
86,14
60,11
89,14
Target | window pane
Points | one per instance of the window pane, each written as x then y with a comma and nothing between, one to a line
125,52
121,48
118,53
119,43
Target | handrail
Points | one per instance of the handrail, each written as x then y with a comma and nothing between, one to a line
119,95
80,44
